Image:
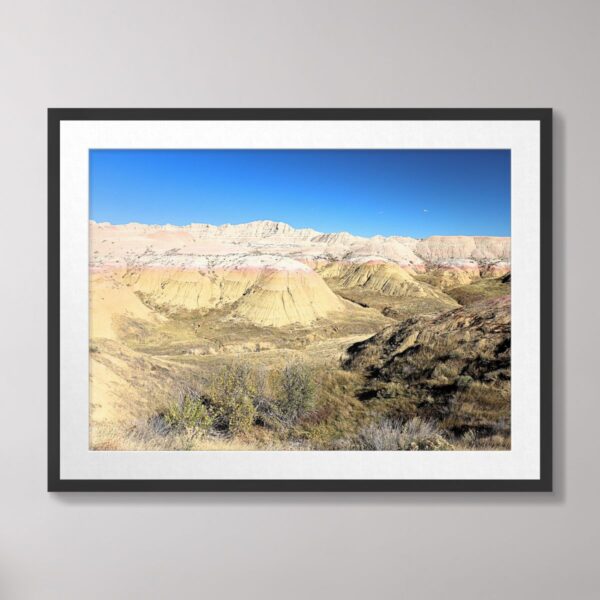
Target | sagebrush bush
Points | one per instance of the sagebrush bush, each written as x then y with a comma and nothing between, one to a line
239,394
189,414
296,395
232,392
414,434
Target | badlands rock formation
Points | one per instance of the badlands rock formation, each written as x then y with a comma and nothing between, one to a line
453,368
270,274
377,274
265,289
438,248
479,337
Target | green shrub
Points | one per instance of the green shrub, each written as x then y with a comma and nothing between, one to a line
464,381
188,415
239,396
296,394
231,393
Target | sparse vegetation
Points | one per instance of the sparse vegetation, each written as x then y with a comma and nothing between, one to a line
189,414
453,370
236,400
297,392
414,434
482,289
232,394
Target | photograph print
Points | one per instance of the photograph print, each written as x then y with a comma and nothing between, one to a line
300,300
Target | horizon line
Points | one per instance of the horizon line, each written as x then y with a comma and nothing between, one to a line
294,228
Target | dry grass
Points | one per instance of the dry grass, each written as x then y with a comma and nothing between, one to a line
397,307
414,434
482,289
292,406
143,437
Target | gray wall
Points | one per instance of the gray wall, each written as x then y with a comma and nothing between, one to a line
282,53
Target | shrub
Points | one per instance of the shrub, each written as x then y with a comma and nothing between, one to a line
415,434
296,395
464,381
237,396
265,400
188,415
231,393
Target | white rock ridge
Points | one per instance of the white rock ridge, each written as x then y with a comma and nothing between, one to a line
275,238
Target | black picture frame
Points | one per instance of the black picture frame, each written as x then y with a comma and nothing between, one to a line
58,115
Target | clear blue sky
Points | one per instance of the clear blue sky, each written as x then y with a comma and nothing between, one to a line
366,192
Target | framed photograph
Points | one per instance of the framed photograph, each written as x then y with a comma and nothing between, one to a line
300,300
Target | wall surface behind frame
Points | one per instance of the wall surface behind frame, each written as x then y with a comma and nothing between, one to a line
312,53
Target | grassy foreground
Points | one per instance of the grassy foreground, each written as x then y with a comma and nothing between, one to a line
302,407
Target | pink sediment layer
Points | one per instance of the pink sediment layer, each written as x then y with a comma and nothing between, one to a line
474,268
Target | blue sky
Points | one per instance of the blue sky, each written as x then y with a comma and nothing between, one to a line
415,193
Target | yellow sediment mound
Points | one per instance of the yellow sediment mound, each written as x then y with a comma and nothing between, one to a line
110,392
284,297
447,278
384,277
126,384
111,298
263,293
177,288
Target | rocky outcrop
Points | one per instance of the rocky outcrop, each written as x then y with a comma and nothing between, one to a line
453,368
471,341
437,248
